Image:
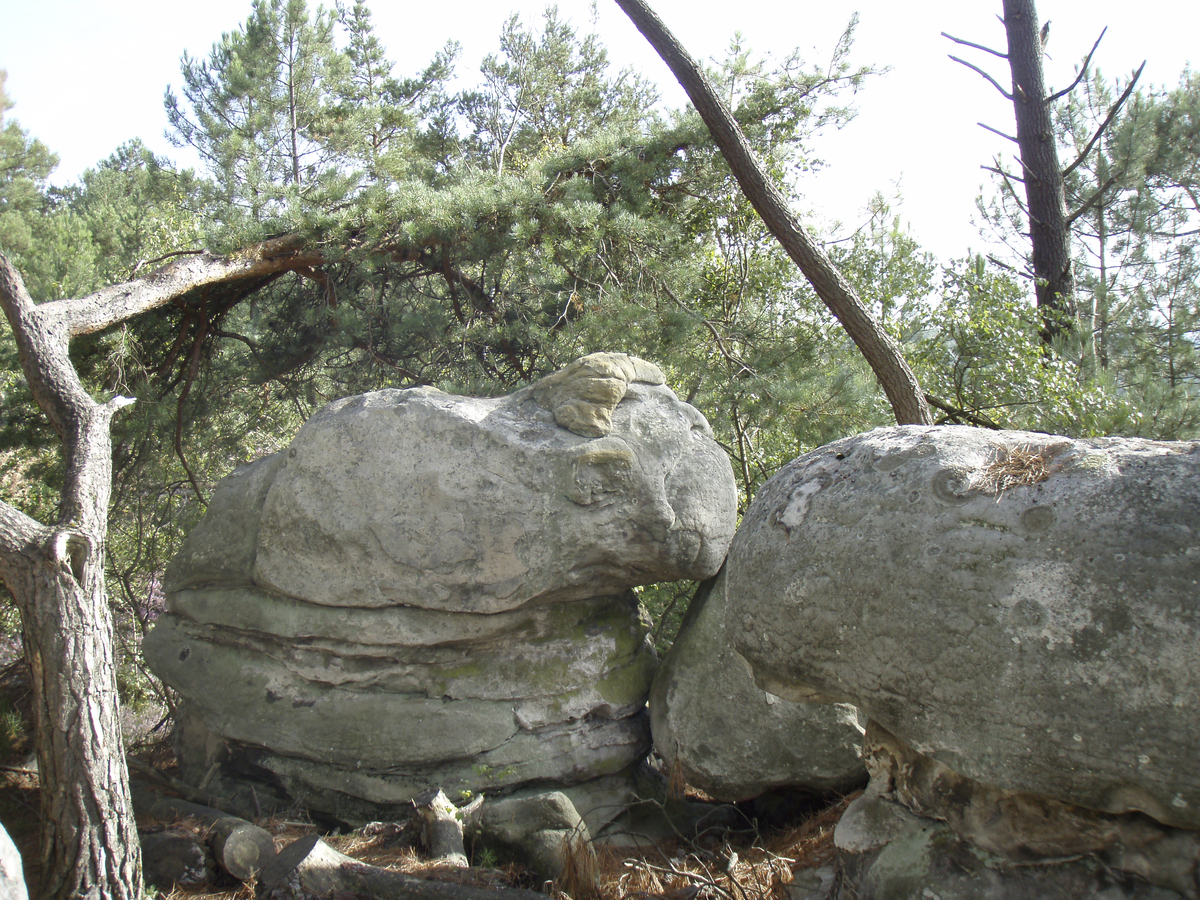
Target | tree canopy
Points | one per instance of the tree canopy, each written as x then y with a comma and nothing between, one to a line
392,230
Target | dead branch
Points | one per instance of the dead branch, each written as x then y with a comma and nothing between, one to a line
961,415
1107,121
309,867
976,46
1082,70
119,302
997,131
166,782
975,68
998,171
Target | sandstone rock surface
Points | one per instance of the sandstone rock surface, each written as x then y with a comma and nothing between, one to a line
729,737
429,590
1030,829
1019,607
885,852
12,873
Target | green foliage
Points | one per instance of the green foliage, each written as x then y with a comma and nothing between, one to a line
25,166
138,211
546,91
39,233
1132,193
665,605
980,352
13,731
259,112
477,241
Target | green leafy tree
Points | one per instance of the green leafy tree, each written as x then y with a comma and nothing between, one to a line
25,167
378,119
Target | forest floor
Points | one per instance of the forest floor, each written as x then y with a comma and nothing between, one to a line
758,857
753,862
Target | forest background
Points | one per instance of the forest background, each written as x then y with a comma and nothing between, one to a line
478,233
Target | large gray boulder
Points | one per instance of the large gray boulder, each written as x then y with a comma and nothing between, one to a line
1014,826
424,499
430,590
729,737
1019,607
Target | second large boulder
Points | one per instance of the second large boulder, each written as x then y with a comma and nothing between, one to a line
1021,608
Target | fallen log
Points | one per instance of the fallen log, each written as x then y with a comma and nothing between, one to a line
239,847
309,867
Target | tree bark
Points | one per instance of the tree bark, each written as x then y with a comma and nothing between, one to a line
442,825
1045,194
55,573
876,345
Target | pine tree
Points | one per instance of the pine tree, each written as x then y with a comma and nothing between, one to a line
378,118
1139,230
546,90
259,109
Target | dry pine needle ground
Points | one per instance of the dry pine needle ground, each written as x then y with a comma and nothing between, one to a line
754,866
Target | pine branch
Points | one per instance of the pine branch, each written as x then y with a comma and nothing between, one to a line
1092,200
119,302
961,415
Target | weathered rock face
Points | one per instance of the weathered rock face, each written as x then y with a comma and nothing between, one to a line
427,590
885,852
419,498
1029,828
730,738
1020,608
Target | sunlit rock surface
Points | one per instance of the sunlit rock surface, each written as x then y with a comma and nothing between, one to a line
729,737
1019,607
431,590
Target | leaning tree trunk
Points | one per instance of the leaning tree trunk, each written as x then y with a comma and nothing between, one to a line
876,345
90,846
1045,194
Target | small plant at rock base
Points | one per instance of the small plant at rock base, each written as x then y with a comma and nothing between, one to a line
12,730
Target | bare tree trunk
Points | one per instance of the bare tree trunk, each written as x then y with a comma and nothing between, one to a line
875,344
1045,194
90,846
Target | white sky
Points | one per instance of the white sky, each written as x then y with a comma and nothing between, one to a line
86,75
